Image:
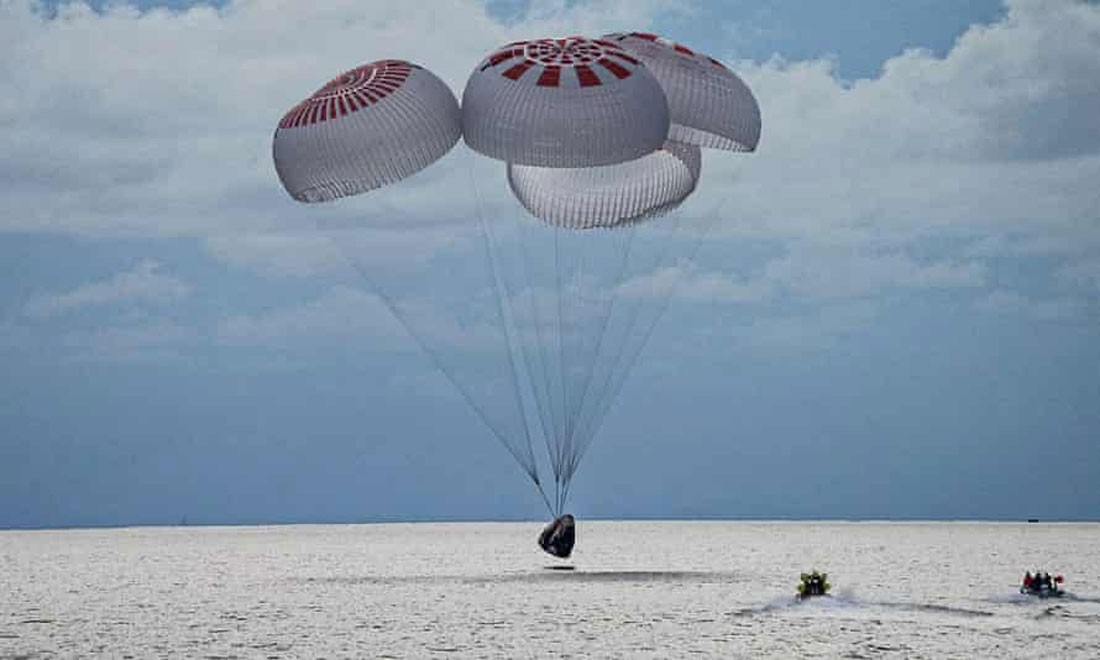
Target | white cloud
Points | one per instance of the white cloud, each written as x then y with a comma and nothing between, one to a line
341,314
1017,89
839,272
1050,309
286,253
337,250
1085,274
350,316
157,340
818,330
1070,241
167,129
997,136
696,286
123,122
813,271
143,284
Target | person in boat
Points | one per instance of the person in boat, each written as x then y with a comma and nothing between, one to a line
1035,584
1041,584
812,584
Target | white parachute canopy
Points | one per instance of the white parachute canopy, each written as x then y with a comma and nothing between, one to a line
710,106
371,126
609,195
572,102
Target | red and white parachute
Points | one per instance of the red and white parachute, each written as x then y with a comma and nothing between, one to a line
569,102
600,140
368,127
710,106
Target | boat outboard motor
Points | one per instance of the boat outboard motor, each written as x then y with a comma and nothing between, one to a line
559,536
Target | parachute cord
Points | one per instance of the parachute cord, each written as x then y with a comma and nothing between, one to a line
545,499
545,406
535,366
502,299
698,244
562,261
559,441
562,495
594,358
632,360
391,305
557,496
607,392
575,310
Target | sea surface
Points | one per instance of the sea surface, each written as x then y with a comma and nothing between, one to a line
636,590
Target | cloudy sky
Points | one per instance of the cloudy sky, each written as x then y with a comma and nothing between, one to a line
896,315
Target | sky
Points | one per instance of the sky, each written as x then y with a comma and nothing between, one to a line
895,316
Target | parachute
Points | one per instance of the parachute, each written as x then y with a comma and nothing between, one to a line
371,126
709,105
606,196
571,102
567,220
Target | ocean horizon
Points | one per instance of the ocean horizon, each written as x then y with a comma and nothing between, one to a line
428,520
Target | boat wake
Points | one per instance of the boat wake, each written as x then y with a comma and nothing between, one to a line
1019,598
771,606
827,602
847,600
934,608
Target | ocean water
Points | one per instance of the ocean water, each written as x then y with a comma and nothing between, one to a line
636,589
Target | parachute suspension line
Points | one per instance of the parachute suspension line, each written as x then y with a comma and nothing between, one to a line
584,307
543,394
632,355
433,357
615,375
512,365
576,308
503,299
618,385
696,246
614,286
530,250
568,300
546,500
564,428
620,365
565,493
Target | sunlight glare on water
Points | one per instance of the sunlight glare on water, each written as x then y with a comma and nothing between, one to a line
637,589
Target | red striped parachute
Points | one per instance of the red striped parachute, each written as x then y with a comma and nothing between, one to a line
534,283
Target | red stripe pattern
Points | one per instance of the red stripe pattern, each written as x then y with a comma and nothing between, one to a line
667,43
567,62
350,92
